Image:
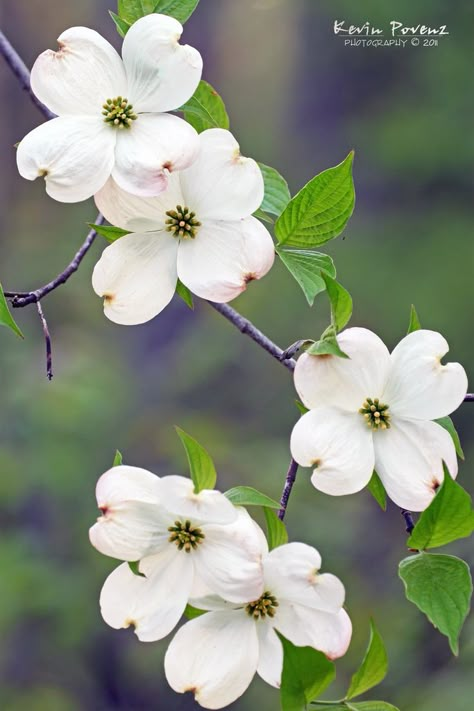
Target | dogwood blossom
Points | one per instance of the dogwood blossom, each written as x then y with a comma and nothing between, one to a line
187,543
200,230
375,410
110,113
217,654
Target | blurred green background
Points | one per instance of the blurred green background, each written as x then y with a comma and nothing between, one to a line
298,100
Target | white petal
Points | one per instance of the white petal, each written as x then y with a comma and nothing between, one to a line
153,146
130,526
292,573
75,155
80,76
162,74
153,605
224,257
215,656
136,275
229,560
344,382
270,661
339,445
409,460
303,626
138,214
208,506
221,184
419,386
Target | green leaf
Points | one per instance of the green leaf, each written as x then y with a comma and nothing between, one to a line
191,612
6,319
108,231
201,466
321,210
261,215
205,109
277,195
248,496
448,517
302,408
179,9
341,302
371,706
276,530
441,587
327,345
134,567
306,267
414,324
373,668
132,10
377,490
121,25
184,293
306,673
448,425
118,459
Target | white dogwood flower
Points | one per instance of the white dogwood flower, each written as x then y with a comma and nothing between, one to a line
185,542
216,655
110,112
200,230
375,410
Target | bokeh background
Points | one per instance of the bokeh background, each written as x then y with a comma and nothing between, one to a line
298,100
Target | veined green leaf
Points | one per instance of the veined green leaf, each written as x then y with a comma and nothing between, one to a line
133,10
306,673
108,231
201,466
277,195
373,668
205,109
306,267
6,319
276,529
341,302
248,496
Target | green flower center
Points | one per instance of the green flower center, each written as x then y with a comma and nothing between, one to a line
182,222
376,414
265,606
118,112
185,535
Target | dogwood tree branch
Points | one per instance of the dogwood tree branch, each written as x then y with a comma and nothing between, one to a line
47,340
289,481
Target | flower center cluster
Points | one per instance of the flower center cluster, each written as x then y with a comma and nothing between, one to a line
265,605
182,222
118,112
376,414
185,535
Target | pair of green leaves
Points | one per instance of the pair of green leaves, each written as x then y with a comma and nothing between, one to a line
129,11
307,673
6,319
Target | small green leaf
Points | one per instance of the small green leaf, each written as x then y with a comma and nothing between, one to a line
118,459
448,517
276,530
371,706
327,345
261,215
373,668
6,319
302,408
277,195
306,673
441,587
108,231
321,210
201,466
414,324
448,425
132,10
134,567
121,25
181,10
184,293
340,300
248,496
377,490
205,109
306,267
191,612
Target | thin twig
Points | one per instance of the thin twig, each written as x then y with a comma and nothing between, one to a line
289,481
47,339
410,524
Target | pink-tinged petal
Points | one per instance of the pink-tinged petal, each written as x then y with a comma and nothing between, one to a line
80,76
224,257
215,657
291,573
207,506
74,155
344,382
419,386
154,146
221,184
306,627
138,214
162,74
409,460
338,445
136,276
270,661
152,604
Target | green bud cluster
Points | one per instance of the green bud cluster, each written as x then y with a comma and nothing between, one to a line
182,222
265,606
118,112
185,535
376,414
